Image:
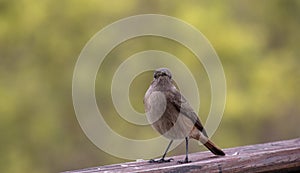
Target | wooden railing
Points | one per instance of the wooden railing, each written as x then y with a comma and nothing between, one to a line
281,156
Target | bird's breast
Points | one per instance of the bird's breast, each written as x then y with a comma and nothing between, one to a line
155,105
164,117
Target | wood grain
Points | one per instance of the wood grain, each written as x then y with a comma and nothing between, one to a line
281,156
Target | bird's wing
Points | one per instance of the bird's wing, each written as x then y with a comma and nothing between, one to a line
182,106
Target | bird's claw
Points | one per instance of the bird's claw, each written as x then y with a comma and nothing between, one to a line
184,161
162,160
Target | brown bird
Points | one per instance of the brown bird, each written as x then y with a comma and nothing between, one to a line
171,115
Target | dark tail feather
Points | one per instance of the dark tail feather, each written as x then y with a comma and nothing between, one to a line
214,149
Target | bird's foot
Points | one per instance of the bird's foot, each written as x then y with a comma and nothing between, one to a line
186,160
162,160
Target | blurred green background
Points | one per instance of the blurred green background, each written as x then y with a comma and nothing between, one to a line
258,43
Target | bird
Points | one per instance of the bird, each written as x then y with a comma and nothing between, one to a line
169,113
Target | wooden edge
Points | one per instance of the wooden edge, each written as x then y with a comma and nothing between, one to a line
281,156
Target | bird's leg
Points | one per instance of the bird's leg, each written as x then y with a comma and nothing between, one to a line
162,160
186,160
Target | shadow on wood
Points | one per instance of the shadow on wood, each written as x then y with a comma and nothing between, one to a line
281,156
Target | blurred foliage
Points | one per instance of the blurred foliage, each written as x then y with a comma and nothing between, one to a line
257,42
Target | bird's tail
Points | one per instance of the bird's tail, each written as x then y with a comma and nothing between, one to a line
213,148
203,138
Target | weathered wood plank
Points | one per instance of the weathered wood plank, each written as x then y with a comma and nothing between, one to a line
281,156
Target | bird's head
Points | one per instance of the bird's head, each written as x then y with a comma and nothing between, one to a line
162,72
